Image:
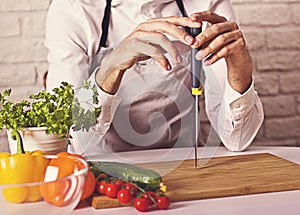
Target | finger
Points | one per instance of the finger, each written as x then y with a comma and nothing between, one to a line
161,41
207,16
181,47
168,28
213,31
231,48
155,53
219,42
178,20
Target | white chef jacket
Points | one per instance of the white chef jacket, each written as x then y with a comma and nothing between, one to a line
73,32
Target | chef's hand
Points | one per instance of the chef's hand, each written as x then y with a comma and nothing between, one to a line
148,40
223,39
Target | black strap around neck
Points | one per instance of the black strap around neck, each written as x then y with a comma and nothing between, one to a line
105,24
181,8
106,18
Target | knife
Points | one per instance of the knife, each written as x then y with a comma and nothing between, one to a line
197,89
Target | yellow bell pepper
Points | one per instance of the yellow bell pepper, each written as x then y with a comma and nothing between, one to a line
22,167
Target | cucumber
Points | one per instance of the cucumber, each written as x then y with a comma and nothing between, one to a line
145,178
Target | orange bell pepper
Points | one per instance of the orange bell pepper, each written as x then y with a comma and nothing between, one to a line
59,192
90,183
56,192
89,186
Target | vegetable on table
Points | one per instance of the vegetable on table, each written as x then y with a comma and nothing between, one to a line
90,183
133,188
22,167
141,204
89,186
162,202
144,178
130,184
150,196
112,190
57,192
125,196
26,167
101,187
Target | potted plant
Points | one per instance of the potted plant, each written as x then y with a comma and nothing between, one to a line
44,119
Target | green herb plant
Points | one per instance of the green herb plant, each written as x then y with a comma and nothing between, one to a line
58,110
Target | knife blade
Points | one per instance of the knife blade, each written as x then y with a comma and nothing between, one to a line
196,68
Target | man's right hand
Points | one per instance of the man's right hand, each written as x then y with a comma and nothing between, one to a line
148,40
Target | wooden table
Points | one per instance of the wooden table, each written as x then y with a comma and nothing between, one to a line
286,203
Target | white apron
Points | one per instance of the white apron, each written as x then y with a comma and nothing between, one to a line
156,108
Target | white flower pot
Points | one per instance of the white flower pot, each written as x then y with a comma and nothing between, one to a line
35,138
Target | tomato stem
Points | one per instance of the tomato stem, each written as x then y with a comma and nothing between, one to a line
143,191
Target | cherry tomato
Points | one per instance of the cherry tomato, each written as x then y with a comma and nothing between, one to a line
163,202
112,190
141,204
119,182
131,187
101,187
149,193
125,196
150,196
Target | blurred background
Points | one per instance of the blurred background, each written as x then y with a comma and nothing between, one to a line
271,29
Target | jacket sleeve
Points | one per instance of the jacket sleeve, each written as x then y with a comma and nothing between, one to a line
71,43
90,143
68,43
235,117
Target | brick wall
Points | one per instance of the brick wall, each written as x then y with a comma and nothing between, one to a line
271,28
272,31
22,51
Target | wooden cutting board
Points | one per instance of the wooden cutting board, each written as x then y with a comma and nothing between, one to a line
221,177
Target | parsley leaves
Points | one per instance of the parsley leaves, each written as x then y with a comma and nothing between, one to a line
58,111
